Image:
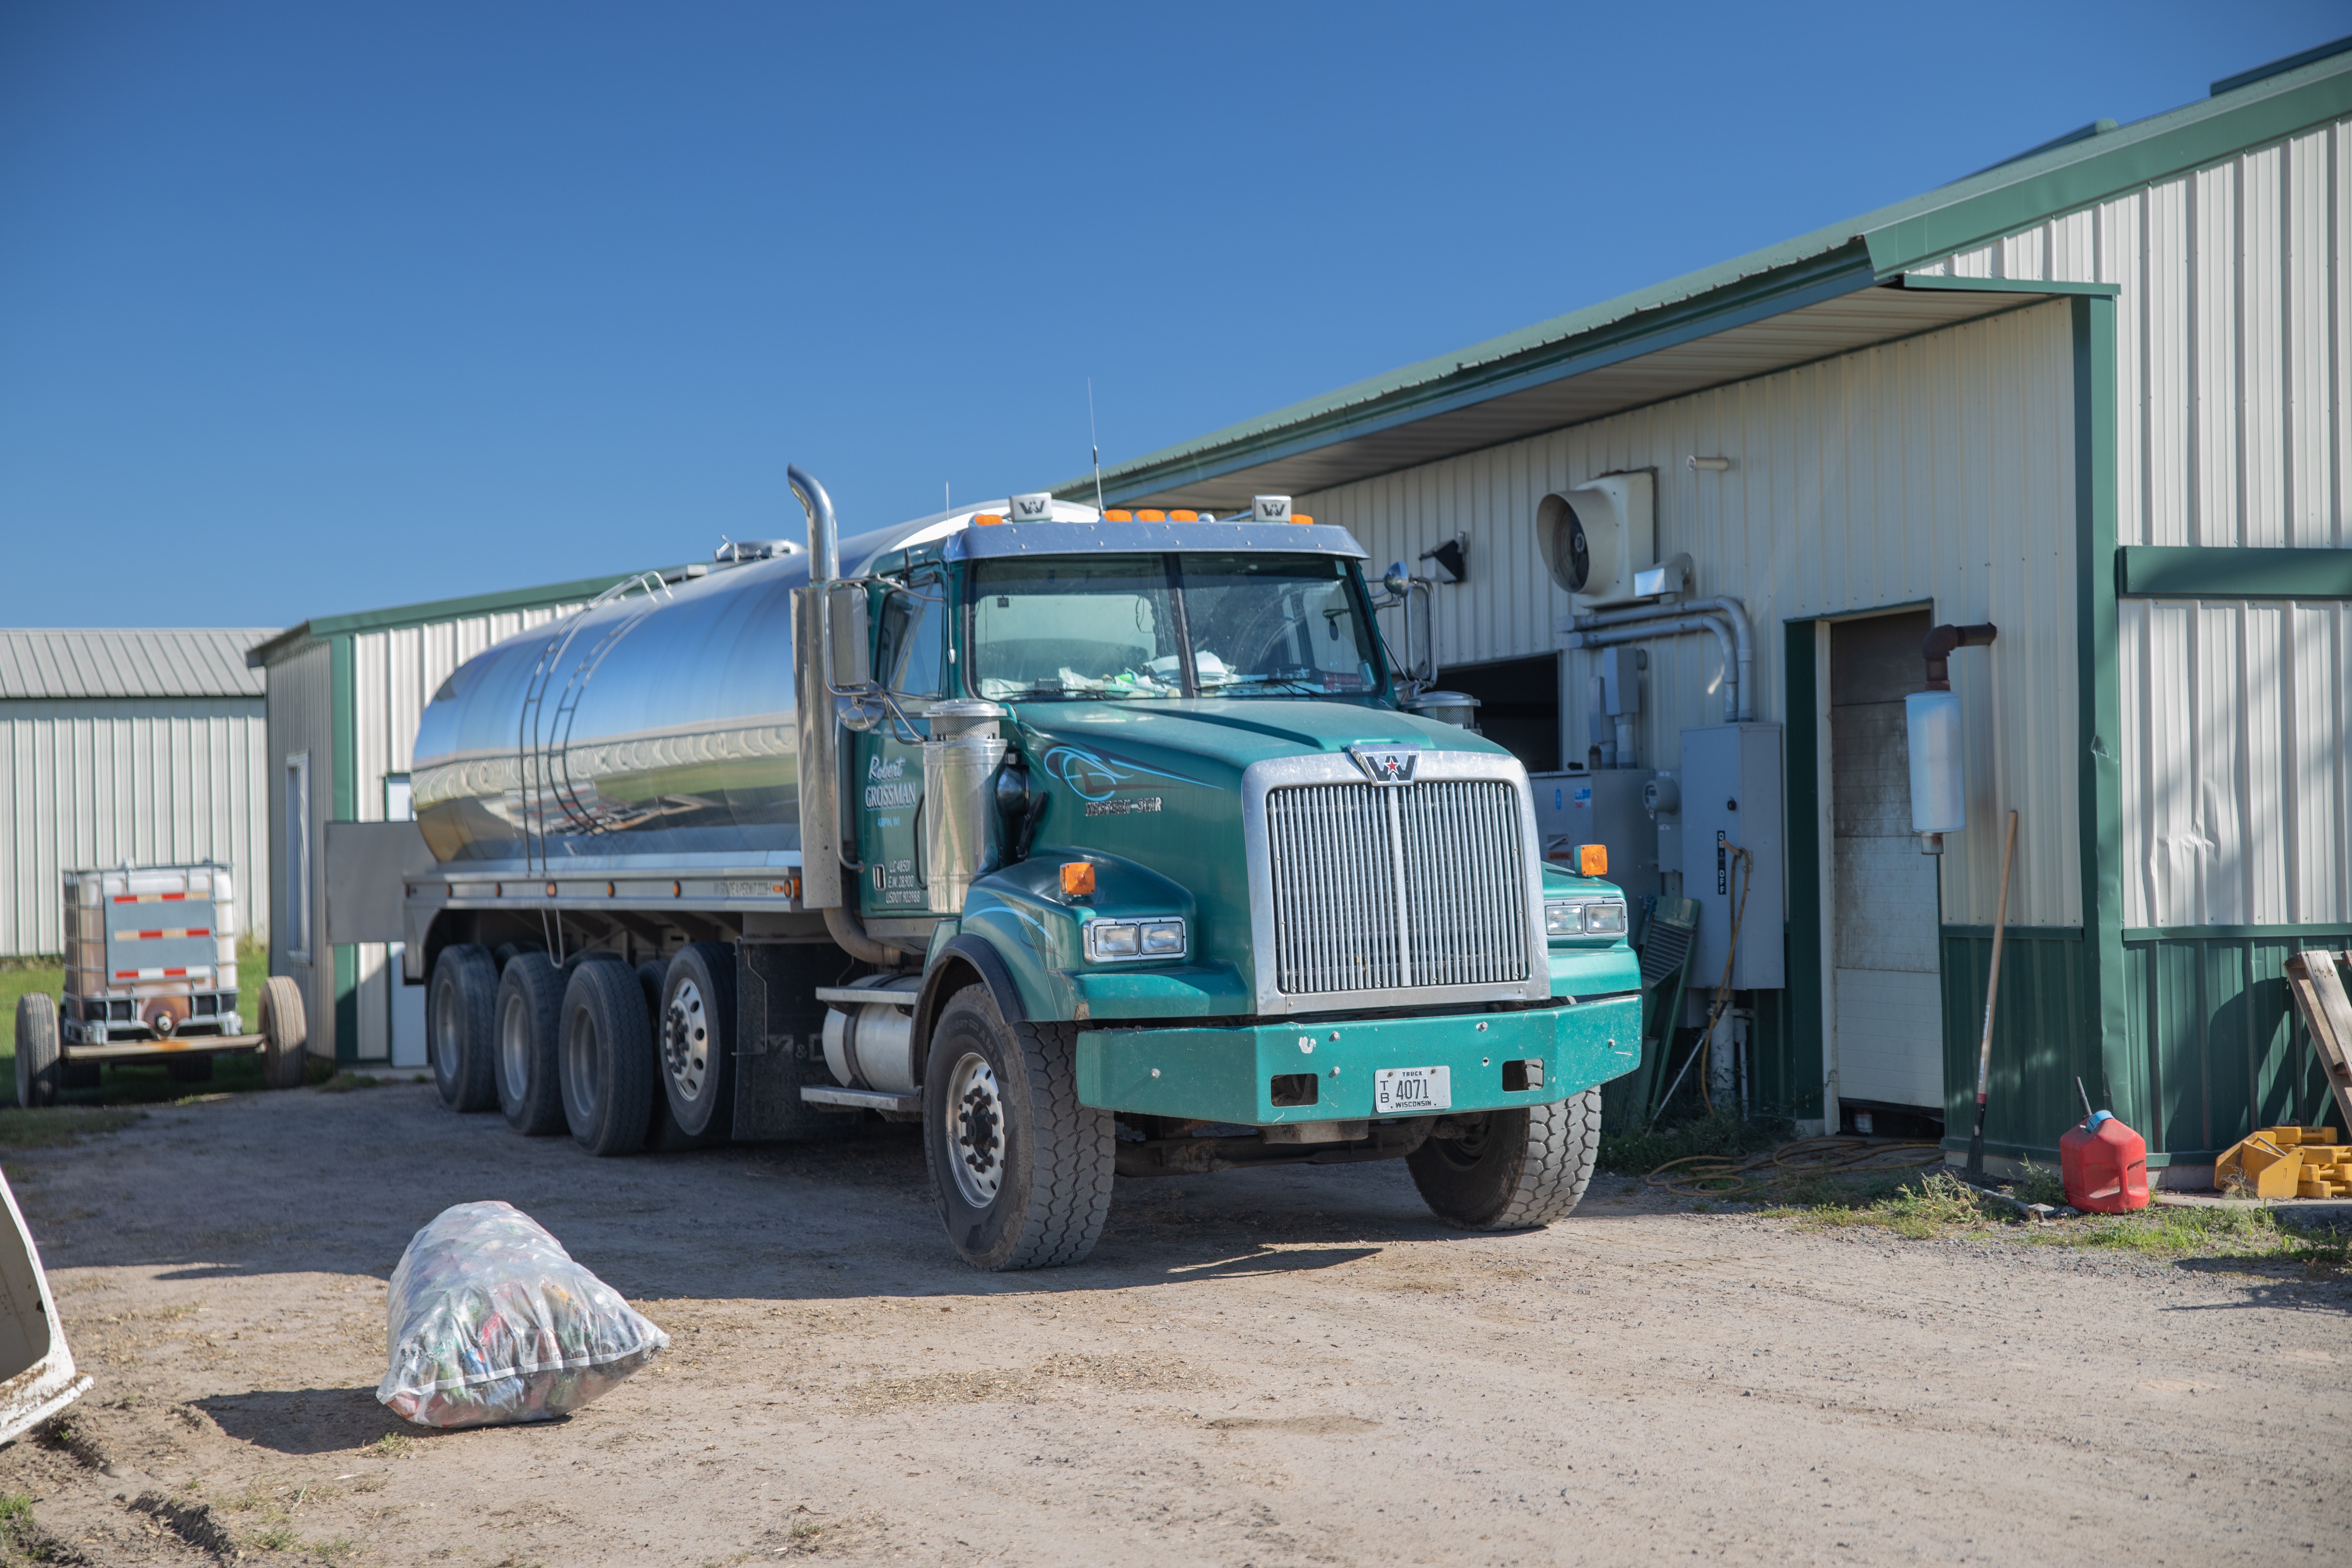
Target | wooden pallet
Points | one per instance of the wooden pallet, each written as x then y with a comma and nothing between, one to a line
2320,996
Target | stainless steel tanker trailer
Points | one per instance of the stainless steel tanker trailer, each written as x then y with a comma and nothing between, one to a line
1099,843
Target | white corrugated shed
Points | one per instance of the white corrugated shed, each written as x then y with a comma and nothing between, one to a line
2233,348
1935,471
362,681
136,746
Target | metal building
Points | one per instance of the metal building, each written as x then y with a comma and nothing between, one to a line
138,746
344,695
2097,395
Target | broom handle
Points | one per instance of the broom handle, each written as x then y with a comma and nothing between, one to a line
1992,990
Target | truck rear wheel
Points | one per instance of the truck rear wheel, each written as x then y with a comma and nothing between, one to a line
529,1012
1520,1168
606,1064
697,1043
1022,1171
38,1067
285,1032
461,1011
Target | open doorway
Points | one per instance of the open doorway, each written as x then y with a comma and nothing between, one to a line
1518,705
1887,999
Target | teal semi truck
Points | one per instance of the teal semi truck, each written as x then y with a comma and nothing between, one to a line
1099,842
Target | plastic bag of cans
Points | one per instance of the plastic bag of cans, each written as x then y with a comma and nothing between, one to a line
492,1322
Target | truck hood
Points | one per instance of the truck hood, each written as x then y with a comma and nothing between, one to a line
1209,740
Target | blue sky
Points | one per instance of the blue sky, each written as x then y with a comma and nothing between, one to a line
306,308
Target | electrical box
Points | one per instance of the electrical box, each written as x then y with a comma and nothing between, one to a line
1730,789
1604,807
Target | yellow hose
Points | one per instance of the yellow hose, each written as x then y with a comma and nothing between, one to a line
1729,1175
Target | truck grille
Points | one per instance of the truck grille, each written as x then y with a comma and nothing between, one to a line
1382,887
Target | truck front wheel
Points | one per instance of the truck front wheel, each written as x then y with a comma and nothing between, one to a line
1520,1168
1023,1171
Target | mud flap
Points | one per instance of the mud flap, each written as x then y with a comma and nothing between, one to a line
37,1371
780,1041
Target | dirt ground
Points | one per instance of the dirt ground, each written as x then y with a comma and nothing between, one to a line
1270,1368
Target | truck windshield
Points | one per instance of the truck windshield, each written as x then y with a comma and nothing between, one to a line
1144,626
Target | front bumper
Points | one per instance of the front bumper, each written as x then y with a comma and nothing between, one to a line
1228,1074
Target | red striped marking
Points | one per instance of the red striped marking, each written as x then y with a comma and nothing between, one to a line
149,897
158,935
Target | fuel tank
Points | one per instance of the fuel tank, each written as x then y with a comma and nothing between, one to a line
655,724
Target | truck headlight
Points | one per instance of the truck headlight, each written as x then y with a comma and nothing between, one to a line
1115,941
1584,917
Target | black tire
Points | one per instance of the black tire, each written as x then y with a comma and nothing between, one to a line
529,1014
695,1044
1523,1168
605,1062
461,1027
662,1131
38,1067
285,1032
1020,1170
189,1070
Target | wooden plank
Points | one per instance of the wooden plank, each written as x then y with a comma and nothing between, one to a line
2326,1012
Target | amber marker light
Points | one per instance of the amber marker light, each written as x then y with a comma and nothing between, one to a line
1183,517
1078,878
1150,514
1301,517
1592,860
1115,515
987,519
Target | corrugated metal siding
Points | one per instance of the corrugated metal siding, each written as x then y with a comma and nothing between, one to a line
2237,724
128,662
148,781
2040,1043
302,721
2233,341
1935,470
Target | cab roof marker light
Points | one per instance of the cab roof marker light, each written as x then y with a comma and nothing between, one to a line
987,519
1117,514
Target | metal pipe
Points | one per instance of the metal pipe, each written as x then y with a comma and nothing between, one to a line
1743,641
841,922
1736,704
825,534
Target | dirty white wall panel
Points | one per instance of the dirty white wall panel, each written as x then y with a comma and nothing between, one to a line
302,721
88,782
2234,341
2237,722
1936,470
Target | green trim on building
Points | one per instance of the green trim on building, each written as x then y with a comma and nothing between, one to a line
537,598
2223,572
1805,1041
2099,700
2005,285
2234,934
2040,1043
343,681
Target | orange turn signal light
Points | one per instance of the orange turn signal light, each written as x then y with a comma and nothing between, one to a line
1115,515
1150,514
1077,878
1183,517
987,519
1300,517
1592,860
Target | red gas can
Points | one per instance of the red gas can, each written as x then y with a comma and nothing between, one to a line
2104,1166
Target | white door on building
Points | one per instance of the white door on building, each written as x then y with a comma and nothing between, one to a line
1889,991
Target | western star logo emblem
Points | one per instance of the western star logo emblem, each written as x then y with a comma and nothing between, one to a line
1386,764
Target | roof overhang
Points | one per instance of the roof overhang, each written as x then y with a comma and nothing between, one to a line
1821,313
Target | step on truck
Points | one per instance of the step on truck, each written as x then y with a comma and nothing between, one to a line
1099,842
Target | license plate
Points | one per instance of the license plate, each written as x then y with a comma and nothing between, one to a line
1402,1091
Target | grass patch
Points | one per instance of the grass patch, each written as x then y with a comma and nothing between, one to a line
1627,1153
59,1125
276,1539
1919,1207
344,1082
392,1446
2038,1184
2202,1230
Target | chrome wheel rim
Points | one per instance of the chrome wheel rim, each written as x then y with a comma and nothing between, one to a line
685,1041
514,1048
975,1130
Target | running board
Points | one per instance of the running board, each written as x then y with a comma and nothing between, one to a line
861,1099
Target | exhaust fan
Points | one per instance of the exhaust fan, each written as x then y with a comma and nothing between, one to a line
1596,537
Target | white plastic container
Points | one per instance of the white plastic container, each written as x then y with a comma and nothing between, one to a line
1939,803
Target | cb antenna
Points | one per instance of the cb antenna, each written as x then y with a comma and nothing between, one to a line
1095,442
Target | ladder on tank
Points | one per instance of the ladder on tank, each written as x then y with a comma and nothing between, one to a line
544,779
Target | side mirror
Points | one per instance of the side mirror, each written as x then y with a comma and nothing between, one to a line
849,637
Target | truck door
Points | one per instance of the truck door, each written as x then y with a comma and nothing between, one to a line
910,618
